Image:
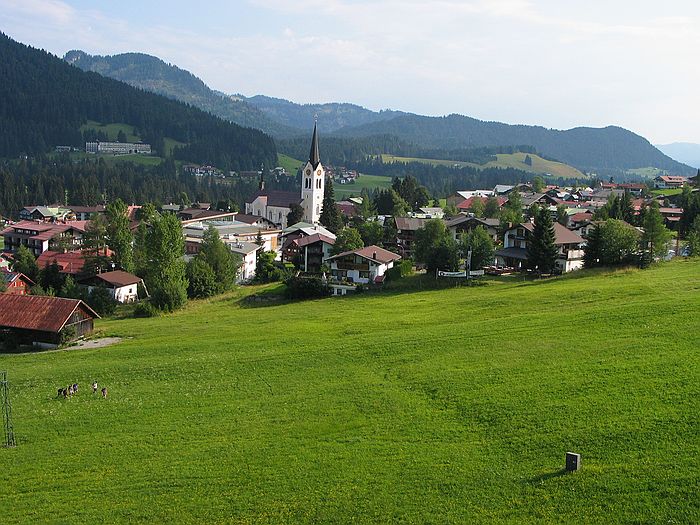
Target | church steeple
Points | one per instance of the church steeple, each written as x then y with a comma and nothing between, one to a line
262,177
314,155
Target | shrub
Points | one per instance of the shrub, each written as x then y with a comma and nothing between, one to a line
401,269
306,288
146,309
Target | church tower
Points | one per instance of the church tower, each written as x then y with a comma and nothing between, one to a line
313,182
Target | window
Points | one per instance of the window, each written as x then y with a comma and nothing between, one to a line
307,183
318,183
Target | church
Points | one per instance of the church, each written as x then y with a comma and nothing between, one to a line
275,205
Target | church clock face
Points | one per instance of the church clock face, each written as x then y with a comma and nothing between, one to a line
318,173
308,172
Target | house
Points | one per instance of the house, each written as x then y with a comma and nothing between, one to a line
406,228
40,237
255,220
118,148
579,219
39,213
530,198
347,208
467,204
69,263
465,224
276,205
85,213
666,182
15,282
308,252
122,286
366,265
460,196
432,212
230,233
53,320
672,216
515,241
189,215
248,251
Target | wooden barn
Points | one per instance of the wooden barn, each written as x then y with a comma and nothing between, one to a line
53,320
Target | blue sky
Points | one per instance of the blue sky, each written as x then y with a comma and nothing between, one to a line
554,63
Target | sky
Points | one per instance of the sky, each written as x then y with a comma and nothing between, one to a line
555,63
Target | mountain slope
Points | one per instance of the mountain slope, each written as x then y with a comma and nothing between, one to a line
586,148
153,74
44,101
331,116
685,152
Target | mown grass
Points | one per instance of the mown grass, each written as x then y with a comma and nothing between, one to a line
515,160
369,182
290,164
112,130
438,406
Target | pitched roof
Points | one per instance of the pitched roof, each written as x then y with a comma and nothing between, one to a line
373,253
118,278
562,235
280,199
311,239
468,203
409,223
461,219
35,312
314,155
10,277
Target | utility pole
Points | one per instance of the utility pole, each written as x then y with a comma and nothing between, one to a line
6,412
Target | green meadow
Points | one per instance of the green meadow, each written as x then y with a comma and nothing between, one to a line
368,182
504,160
451,405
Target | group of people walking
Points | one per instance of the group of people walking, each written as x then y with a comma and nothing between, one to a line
71,390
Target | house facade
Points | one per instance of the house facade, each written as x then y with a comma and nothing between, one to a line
516,239
464,224
367,265
308,252
667,182
122,286
16,283
39,237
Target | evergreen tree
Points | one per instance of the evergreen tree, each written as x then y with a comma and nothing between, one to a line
656,235
491,209
591,254
626,208
51,278
694,238
348,239
119,236
562,215
542,251
331,217
23,261
295,215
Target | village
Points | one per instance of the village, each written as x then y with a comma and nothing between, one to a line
340,246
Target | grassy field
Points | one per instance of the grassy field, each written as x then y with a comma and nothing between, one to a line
112,130
648,173
669,192
370,182
291,165
439,406
516,160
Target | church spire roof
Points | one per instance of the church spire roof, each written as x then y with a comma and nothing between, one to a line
314,155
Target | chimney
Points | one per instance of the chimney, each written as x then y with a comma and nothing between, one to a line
374,255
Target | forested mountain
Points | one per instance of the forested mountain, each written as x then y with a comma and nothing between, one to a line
331,116
685,152
44,101
606,151
591,149
153,74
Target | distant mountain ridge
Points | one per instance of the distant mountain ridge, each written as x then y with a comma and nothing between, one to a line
153,74
685,152
332,116
591,149
610,150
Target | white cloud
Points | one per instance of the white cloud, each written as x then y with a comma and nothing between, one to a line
540,62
